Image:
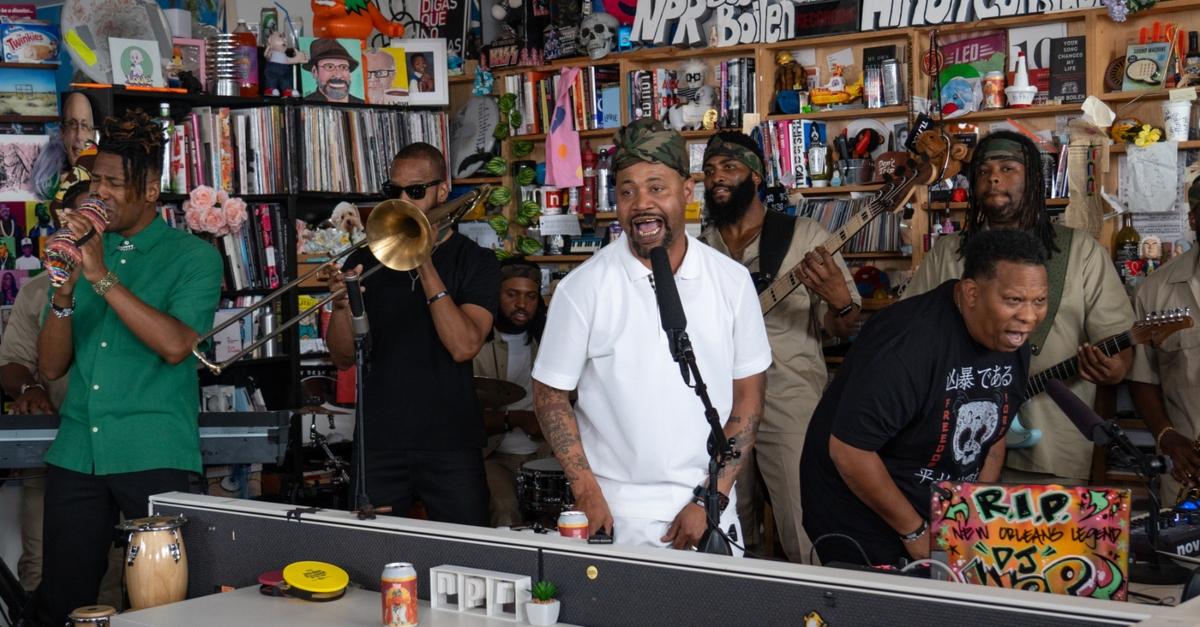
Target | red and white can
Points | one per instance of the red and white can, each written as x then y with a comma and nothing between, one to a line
398,588
573,524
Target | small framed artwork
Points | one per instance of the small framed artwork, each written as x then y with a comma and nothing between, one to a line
427,79
17,154
387,76
333,72
191,55
29,92
136,62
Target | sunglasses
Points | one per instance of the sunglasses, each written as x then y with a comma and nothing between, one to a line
415,191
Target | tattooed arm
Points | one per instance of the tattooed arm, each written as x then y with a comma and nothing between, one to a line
689,525
561,430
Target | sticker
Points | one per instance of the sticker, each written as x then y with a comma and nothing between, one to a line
592,572
77,44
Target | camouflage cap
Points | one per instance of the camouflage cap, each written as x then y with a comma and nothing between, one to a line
1001,148
718,146
647,140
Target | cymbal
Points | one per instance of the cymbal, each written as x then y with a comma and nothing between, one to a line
497,392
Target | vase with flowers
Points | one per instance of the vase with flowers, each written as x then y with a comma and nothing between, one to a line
214,211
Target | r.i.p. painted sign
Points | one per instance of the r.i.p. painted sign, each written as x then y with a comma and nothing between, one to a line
1045,538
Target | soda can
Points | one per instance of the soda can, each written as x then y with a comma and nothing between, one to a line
993,90
398,588
573,524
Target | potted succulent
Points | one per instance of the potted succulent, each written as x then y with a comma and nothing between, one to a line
543,609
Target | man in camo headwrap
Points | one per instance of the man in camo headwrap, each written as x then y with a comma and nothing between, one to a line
633,446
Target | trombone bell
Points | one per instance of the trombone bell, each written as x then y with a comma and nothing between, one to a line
399,235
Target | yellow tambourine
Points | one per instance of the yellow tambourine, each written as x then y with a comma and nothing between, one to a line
315,581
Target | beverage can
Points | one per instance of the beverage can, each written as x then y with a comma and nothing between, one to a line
993,90
398,589
573,524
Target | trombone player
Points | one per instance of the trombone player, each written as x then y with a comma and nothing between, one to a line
424,432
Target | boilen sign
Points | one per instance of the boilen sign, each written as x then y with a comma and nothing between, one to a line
687,22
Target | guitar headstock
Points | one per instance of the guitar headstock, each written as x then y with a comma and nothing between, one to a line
1159,325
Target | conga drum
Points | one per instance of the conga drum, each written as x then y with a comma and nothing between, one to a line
155,561
91,616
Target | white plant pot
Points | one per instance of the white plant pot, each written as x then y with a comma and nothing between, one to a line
542,613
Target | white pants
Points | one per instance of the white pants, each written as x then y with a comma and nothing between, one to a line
649,531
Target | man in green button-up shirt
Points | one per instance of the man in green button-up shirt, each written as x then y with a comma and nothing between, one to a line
129,422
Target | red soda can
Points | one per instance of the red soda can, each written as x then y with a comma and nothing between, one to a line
573,524
398,588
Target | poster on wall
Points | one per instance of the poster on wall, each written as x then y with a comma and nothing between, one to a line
878,14
1045,538
17,154
333,72
449,20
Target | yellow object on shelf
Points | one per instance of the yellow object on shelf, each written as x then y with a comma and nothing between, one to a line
823,96
316,581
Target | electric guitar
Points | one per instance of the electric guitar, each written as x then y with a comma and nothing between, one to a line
1154,328
941,158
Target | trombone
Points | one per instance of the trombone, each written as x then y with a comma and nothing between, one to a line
399,235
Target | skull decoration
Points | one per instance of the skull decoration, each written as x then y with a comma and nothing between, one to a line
598,34
692,80
977,422
503,10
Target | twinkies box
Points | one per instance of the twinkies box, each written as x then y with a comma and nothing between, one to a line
29,43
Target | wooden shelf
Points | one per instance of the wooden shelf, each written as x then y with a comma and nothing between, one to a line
844,114
478,180
959,206
541,137
876,255
1136,94
30,66
1027,112
558,258
840,189
1187,145
27,119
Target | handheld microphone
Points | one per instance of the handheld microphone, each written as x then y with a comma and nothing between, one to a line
670,308
358,314
1100,432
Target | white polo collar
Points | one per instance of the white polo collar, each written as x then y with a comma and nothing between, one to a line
635,269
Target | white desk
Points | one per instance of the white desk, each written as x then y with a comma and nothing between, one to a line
246,606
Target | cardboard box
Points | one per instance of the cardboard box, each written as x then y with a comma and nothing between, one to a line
29,43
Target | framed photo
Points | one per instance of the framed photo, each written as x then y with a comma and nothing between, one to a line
387,76
427,80
28,92
191,54
333,72
17,154
136,62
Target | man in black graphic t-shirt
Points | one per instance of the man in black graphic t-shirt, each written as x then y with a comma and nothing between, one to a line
926,394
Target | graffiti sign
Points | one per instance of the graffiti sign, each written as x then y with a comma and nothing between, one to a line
877,14
1045,538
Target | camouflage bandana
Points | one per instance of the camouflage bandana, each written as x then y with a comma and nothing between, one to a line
1194,194
518,268
719,147
648,140
1003,149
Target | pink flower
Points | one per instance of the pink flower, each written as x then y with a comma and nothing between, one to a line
203,197
194,217
214,221
222,196
235,213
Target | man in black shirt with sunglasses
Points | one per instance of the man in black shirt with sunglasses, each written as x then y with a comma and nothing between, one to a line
423,431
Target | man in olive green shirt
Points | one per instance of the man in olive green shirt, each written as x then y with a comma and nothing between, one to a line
1006,184
123,325
733,175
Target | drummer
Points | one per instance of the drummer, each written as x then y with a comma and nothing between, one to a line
514,437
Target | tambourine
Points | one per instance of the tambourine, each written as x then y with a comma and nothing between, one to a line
315,581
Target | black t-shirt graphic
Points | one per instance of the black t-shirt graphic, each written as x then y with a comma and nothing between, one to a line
924,395
417,396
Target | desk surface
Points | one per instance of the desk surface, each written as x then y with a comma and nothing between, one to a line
246,606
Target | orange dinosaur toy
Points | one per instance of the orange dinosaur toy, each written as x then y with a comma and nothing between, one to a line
351,19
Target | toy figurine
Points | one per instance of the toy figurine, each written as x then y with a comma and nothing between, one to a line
280,58
351,19
172,70
789,74
695,98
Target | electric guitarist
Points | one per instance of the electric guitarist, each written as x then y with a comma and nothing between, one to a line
766,241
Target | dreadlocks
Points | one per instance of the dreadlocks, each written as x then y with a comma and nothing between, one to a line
137,139
1034,219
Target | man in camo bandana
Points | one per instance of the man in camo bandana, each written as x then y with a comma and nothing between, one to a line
633,446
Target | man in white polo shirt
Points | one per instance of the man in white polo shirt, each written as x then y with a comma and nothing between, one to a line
634,446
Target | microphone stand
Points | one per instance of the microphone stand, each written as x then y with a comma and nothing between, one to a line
362,504
1156,570
720,448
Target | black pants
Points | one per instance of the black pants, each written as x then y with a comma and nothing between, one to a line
79,527
452,484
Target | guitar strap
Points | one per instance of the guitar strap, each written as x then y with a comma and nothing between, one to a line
777,231
1056,270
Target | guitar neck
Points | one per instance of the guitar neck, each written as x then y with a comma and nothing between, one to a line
788,282
1068,368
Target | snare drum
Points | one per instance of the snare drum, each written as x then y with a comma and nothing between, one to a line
543,489
91,616
155,561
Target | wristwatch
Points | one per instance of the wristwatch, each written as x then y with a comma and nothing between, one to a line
25,387
844,311
909,537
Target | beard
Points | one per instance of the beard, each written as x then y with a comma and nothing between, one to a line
336,90
506,324
732,210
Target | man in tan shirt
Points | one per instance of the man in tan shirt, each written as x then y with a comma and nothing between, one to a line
1091,303
1165,379
733,176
